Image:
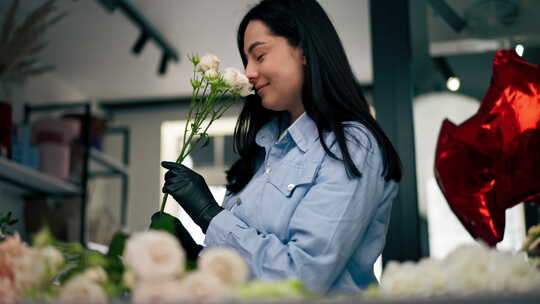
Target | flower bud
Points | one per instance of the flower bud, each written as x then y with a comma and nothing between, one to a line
195,84
195,59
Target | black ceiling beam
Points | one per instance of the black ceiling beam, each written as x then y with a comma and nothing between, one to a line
442,65
448,14
148,31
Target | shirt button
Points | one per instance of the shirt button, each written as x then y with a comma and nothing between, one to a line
290,187
268,170
238,202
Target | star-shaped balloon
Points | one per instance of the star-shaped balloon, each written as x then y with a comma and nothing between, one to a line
491,162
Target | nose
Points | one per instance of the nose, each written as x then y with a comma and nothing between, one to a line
251,73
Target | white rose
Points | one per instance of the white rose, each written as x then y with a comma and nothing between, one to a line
95,274
205,287
246,88
467,269
154,254
82,289
211,73
238,80
209,62
157,292
129,278
29,269
52,257
431,278
224,263
512,272
399,280
229,76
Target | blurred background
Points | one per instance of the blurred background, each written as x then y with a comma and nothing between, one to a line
83,142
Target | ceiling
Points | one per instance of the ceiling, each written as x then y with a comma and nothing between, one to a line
91,48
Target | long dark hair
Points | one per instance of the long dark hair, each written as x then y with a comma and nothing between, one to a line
331,93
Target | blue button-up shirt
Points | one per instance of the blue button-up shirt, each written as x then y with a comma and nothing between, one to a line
301,215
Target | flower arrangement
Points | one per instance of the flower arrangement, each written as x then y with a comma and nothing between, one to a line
21,44
213,93
469,269
154,270
49,270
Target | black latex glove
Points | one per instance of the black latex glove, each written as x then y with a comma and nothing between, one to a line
169,223
190,190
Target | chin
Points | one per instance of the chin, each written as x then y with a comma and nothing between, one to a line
269,105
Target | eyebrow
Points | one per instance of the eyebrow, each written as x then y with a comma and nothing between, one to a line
254,45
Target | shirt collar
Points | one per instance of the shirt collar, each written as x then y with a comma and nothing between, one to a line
303,131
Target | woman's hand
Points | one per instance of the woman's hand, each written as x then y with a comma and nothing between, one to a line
190,190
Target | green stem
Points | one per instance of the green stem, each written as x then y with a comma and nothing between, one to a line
202,109
185,142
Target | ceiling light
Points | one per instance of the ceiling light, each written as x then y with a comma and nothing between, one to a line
453,83
520,49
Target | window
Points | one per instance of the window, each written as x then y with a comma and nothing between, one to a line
210,161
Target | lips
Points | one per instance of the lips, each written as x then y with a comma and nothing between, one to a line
260,88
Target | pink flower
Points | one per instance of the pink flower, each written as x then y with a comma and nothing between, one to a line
12,247
7,292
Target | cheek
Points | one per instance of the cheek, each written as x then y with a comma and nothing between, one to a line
293,79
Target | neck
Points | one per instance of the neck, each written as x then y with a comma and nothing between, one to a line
294,114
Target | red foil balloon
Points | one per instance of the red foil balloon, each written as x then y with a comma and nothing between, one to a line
491,162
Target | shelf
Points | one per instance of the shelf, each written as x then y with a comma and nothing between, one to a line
28,178
107,161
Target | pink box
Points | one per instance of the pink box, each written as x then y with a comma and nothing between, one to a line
53,137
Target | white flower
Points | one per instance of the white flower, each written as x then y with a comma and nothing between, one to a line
205,287
467,269
52,257
154,254
433,279
157,292
511,272
224,263
82,289
399,280
209,62
211,74
238,80
230,75
29,269
129,278
95,274
246,88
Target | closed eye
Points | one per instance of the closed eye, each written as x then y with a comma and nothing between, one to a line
260,57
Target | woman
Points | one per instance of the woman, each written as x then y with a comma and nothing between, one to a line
311,195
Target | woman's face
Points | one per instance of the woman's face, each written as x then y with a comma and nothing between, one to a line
275,68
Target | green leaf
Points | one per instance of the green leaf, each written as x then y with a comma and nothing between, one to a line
165,222
118,242
282,290
43,238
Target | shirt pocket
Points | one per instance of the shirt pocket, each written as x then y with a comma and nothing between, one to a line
284,189
292,177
